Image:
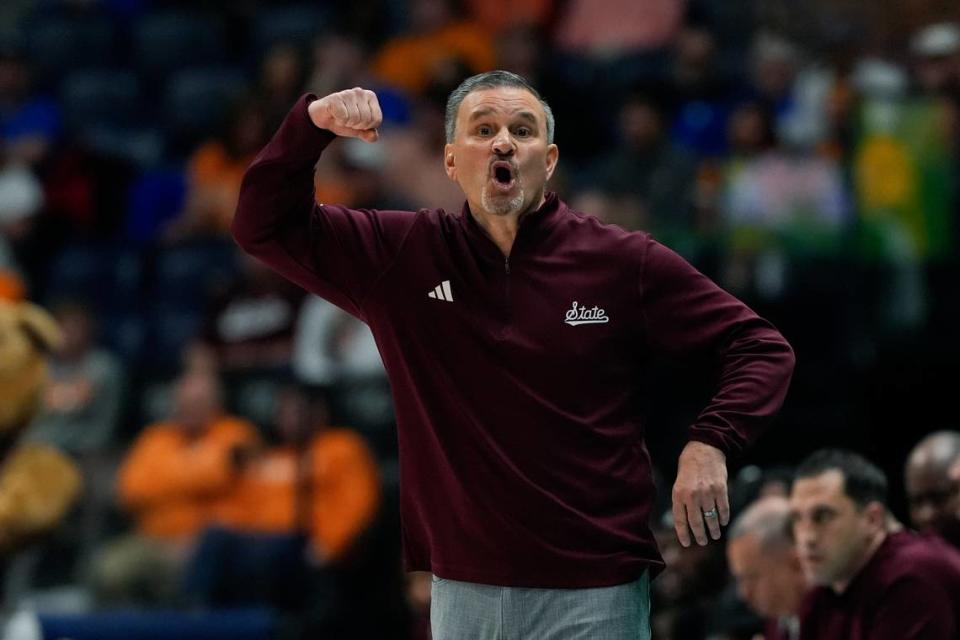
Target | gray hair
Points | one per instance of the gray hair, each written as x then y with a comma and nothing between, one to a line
768,519
491,80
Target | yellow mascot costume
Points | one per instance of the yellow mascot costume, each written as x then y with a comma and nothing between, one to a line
38,484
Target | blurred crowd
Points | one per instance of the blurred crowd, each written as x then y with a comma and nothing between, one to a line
802,155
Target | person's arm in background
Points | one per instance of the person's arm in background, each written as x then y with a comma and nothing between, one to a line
311,363
686,313
161,466
98,421
333,251
346,494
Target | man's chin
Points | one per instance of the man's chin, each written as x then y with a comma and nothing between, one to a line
503,205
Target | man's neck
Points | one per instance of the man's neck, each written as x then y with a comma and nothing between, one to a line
840,587
502,229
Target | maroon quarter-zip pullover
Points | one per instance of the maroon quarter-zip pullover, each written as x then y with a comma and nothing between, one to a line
522,455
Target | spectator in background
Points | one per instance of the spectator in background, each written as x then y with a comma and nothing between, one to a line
776,207
500,15
936,58
414,159
417,592
214,173
337,61
520,49
608,29
282,75
29,123
81,406
294,521
318,480
21,199
437,35
764,562
313,492
336,351
650,169
175,480
870,582
697,92
683,596
933,496
774,65
331,346
250,327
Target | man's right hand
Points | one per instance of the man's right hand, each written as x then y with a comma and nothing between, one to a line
354,113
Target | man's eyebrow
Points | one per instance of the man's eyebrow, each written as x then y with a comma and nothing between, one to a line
526,115
486,111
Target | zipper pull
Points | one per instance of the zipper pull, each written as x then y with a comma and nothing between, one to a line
506,265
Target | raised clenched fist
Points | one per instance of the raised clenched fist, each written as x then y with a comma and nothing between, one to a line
353,113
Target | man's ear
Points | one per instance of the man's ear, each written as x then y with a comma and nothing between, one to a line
449,162
876,514
553,154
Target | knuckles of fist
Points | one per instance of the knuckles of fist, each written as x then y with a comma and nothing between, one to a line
354,108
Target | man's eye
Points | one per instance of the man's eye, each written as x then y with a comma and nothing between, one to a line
524,132
484,131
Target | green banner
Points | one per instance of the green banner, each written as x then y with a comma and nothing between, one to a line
902,171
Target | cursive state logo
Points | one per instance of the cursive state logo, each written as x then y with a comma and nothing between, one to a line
585,315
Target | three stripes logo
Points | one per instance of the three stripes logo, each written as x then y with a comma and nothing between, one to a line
442,292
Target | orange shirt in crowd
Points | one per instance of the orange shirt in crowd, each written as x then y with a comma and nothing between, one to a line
409,62
497,15
214,177
344,491
176,485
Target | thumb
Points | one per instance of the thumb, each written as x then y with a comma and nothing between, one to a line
369,135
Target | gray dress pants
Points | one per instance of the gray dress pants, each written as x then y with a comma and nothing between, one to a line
469,611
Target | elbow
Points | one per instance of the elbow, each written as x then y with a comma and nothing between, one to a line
245,234
789,359
240,228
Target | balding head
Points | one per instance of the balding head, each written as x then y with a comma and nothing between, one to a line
934,495
768,520
762,558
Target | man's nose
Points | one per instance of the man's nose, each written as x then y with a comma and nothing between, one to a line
503,144
803,535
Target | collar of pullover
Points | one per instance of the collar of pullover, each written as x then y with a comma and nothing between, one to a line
534,226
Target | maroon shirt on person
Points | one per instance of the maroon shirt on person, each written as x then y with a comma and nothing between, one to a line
522,457
909,589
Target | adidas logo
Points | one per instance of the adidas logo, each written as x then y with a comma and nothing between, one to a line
442,292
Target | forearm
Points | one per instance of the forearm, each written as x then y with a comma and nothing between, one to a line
276,195
755,371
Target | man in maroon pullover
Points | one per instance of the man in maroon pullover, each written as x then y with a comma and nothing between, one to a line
874,580
514,334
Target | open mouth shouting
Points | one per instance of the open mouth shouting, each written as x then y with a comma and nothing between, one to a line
504,176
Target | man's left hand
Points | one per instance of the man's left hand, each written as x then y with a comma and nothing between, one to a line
700,493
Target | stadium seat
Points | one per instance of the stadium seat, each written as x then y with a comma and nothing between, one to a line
98,97
153,200
167,41
105,276
60,45
198,100
295,24
188,274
